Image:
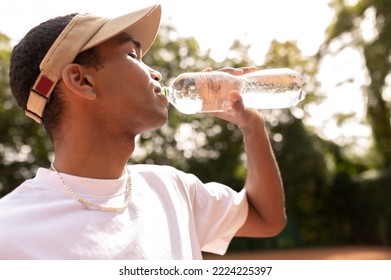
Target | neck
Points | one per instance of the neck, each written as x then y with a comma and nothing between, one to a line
93,157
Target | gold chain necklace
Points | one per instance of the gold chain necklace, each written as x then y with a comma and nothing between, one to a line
92,205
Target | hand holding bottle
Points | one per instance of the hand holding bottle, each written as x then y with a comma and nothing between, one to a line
245,118
237,114
208,91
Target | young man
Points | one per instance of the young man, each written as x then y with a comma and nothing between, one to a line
83,77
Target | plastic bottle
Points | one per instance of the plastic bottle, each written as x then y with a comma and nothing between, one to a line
203,92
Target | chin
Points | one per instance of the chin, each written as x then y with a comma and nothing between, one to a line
158,123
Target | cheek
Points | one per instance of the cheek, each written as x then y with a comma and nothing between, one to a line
116,83
125,82
134,79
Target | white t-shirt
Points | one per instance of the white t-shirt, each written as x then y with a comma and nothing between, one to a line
172,215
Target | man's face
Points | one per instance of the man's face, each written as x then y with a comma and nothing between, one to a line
128,91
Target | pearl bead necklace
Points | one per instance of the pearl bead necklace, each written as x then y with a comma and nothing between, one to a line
95,206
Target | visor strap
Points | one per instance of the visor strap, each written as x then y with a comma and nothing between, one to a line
39,97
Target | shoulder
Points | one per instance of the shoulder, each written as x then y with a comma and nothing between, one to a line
153,168
163,173
167,180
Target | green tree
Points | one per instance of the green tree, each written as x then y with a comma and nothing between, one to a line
376,52
370,209
24,145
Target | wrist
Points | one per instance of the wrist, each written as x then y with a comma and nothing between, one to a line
252,123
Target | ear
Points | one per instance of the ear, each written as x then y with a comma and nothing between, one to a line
79,80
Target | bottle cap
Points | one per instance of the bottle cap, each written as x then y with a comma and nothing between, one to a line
165,91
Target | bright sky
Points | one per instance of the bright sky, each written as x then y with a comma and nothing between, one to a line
216,24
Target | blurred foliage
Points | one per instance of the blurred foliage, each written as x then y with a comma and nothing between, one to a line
24,146
332,197
348,31
371,212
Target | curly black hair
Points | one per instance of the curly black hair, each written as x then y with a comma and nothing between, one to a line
24,67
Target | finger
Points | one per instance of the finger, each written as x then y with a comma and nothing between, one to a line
232,71
238,71
248,69
236,100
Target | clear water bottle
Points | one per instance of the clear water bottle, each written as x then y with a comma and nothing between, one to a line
203,92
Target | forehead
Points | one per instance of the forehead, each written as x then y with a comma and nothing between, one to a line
123,39
126,38
118,42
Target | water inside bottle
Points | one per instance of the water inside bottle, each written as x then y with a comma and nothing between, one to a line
272,89
272,100
187,97
203,92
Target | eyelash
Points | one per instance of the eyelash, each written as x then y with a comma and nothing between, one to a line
133,55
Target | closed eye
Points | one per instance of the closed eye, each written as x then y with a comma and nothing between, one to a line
133,55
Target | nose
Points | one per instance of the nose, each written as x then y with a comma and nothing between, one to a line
156,75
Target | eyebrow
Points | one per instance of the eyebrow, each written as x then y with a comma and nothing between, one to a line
127,38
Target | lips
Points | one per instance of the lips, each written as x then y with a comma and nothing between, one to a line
158,91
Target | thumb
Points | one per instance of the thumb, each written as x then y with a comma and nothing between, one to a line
235,99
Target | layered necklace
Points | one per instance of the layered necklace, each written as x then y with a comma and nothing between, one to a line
95,206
